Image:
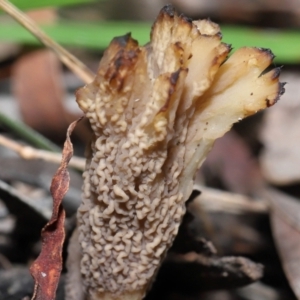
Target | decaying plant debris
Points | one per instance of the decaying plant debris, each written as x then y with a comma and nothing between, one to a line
155,112
47,267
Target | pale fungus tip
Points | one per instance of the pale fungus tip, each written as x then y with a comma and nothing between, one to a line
155,112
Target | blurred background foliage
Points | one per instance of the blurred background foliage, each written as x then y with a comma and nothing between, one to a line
37,104
91,24
86,27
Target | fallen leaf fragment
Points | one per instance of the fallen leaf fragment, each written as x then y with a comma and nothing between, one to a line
285,222
231,160
15,201
41,104
47,267
199,272
282,123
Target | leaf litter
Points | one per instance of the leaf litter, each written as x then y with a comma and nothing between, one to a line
285,222
47,267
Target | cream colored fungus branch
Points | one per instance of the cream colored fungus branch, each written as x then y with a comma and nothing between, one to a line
155,112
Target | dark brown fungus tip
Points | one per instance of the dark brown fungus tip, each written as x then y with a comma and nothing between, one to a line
268,52
276,73
281,91
179,46
121,40
119,67
168,10
268,102
281,88
174,77
173,81
185,19
228,46
166,14
219,35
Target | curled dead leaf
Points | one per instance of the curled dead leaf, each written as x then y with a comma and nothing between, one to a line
47,267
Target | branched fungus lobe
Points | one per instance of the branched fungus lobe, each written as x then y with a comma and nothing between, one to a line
155,112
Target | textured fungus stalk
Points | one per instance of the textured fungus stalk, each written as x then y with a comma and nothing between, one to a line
155,112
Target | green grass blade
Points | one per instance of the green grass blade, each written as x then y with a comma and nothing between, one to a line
34,4
285,44
28,134
92,36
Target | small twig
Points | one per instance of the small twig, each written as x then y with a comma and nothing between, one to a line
28,152
18,203
81,70
214,200
28,134
211,200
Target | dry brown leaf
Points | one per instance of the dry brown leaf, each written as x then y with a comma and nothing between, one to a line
40,104
285,222
231,160
47,267
197,272
282,123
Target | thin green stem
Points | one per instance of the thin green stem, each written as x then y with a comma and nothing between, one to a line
28,134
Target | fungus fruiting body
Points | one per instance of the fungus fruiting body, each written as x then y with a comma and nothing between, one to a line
155,112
